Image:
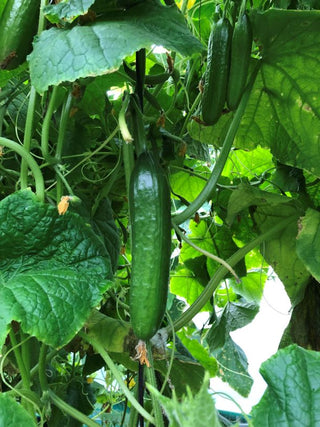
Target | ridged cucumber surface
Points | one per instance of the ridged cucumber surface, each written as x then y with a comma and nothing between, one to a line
217,71
149,203
240,59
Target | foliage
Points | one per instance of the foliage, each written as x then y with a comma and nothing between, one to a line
101,82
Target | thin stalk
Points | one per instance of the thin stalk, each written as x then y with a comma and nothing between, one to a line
65,113
30,162
220,162
27,137
206,253
25,376
46,124
61,139
128,161
70,410
23,372
41,22
151,378
35,369
214,282
42,367
190,112
100,349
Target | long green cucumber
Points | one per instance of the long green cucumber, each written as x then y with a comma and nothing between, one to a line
217,71
240,59
149,203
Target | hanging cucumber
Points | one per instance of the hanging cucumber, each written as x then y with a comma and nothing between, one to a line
18,24
217,72
240,59
149,203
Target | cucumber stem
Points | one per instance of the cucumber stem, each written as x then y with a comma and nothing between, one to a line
151,378
70,410
31,163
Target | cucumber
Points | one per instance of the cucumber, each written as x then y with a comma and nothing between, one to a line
240,59
217,71
18,23
149,204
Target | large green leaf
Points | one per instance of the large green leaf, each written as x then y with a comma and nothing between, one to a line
308,242
292,398
54,269
284,107
12,414
190,411
67,11
99,48
233,364
279,252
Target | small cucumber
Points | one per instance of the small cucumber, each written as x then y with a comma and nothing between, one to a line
149,204
217,72
240,59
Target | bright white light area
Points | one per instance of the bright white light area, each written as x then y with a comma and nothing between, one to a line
159,49
259,340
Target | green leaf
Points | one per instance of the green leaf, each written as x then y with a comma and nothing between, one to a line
100,48
112,333
186,412
54,269
185,284
104,225
289,42
6,75
308,242
251,286
233,367
12,414
233,364
279,252
200,353
293,394
184,375
187,185
235,315
67,11
284,107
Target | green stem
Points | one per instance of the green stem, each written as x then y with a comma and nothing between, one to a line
100,349
151,378
31,163
220,162
190,112
23,372
63,126
138,130
27,137
205,296
128,161
42,367
46,124
35,369
70,410
41,23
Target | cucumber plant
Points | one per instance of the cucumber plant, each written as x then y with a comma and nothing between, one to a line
123,215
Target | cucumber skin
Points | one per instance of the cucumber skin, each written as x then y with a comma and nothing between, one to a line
217,71
149,203
18,23
240,59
